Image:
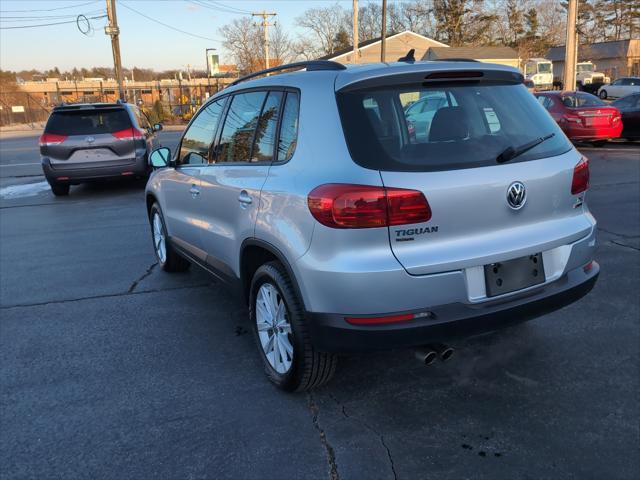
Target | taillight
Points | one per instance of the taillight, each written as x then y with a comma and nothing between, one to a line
616,118
361,206
129,134
580,180
48,139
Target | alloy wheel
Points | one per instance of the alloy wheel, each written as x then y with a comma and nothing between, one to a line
274,329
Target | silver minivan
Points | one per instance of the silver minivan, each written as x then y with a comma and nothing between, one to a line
345,229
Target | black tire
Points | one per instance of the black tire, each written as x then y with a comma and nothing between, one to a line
172,262
60,189
603,94
310,368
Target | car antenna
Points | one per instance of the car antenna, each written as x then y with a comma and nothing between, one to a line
409,57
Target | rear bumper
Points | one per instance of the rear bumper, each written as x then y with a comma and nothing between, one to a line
595,133
331,332
85,172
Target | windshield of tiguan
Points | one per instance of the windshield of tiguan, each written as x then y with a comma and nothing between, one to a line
585,67
444,127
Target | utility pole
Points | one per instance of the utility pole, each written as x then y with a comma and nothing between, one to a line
355,31
265,24
383,39
113,31
571,47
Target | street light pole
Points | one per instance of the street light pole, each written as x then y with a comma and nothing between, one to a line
113,31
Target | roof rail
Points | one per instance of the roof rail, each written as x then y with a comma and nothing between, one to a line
310,65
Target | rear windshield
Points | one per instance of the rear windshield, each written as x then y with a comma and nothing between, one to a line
577,100
444,127
88,122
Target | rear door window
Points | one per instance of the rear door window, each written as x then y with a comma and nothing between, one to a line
444,127
88,122
265,135
239,128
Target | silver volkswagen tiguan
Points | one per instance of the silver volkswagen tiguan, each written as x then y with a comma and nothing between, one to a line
348,226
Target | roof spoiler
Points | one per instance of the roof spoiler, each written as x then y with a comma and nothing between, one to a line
425,78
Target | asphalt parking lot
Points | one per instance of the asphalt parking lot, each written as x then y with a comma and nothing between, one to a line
110,368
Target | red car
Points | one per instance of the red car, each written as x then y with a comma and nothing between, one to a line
582,116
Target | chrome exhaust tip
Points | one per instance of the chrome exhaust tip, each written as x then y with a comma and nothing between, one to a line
445,352
426,355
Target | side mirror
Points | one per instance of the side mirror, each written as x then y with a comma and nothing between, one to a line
159,158
157,127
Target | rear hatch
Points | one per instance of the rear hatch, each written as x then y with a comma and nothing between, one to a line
77,135
462,164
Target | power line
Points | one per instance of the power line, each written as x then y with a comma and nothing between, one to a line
24,18
239,10
167,25
50,9
219,7
49,24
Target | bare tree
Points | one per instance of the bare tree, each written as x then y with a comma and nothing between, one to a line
324,24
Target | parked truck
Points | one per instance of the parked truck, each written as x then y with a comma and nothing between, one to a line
540,72
586,75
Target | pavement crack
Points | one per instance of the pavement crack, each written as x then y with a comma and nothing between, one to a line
142,277
371,429
331,455
97,297
620,244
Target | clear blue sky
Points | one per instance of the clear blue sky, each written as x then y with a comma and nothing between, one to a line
143,43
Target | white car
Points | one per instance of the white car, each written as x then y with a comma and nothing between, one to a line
620,87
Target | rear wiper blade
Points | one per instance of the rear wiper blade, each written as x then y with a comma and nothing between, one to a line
510,153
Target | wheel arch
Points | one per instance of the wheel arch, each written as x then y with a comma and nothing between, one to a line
254,253
150,199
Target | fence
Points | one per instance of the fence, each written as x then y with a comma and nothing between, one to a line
164,101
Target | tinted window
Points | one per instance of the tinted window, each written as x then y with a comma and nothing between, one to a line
468,126
196,143
289,127
266,130
578,100
239,127
92,122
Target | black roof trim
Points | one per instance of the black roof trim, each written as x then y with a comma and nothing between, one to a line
310,65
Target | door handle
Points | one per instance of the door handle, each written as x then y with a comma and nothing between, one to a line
194,191
244,198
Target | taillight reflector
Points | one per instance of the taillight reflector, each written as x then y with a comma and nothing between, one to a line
379,320
580,181
128,134
361,206
47,139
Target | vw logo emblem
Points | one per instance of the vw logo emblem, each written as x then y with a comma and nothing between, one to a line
89,139
516,195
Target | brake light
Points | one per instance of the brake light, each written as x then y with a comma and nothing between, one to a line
580,181
48,139
361,206
129,134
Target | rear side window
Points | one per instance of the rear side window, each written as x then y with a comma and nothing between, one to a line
289,127
196,143
88,122
240,126
444,127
